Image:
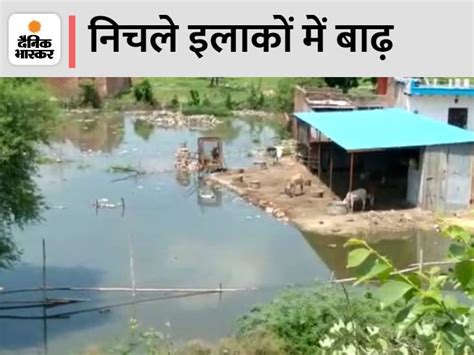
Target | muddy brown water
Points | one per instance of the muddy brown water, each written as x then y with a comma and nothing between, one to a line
178,240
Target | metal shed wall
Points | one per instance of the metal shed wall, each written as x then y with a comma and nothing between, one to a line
445,179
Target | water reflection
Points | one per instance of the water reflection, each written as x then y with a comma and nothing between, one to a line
175,244
208,195
27,328
143,129
402,249
91,133
228,131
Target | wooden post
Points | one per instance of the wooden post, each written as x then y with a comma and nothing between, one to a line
319,154
132,268
330,165
308,133
45,316
351,172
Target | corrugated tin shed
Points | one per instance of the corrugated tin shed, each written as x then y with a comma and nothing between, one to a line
384,128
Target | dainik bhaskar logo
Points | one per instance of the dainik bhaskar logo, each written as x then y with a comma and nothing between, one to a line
34,39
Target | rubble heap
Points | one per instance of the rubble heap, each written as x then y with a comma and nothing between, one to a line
184,160
168,119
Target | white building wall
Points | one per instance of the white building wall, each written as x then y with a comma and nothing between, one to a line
436,106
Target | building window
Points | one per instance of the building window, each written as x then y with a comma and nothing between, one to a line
458,117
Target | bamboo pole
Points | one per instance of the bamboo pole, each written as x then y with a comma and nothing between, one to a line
37,304
351,172
66,315
129,289
44,270
132,269
45,322
330,165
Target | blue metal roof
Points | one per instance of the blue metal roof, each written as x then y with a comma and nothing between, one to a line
384,128
441,90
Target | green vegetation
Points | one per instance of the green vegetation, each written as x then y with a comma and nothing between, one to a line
218,111
443,322
221,96
207,95
143,129
345,84
301,319
143,92
45,160
90,96
26,116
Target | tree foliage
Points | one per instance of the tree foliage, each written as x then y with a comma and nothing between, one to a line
443,322
345,84
302,318
26,112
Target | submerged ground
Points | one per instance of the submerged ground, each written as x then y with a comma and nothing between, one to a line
176,241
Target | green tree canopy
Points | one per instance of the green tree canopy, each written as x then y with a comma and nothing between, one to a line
26,112
345,84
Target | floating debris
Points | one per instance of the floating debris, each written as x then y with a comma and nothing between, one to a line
168,119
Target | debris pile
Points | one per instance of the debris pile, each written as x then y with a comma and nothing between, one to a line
252,113
168,119
184,160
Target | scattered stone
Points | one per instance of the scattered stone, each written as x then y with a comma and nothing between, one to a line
255,184
321,222
269,210
167,119
336,208
279,214
318,193
261,163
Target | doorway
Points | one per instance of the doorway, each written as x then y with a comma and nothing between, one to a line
458,117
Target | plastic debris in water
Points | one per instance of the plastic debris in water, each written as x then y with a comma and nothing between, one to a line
58,207
139,187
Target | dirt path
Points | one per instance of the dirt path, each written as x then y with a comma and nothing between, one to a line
308,211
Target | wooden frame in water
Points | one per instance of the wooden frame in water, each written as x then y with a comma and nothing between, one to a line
210,154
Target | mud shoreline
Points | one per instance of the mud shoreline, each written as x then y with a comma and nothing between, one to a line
264,188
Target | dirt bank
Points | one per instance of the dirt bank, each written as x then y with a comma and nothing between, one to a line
264,187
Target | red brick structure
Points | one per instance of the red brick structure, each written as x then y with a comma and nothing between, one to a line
70,87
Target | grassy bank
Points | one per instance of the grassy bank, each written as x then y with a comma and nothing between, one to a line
217,96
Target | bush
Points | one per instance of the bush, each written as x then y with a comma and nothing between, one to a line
256,99
206,101
284,95
302,318
90,96
194,98
228,101
143,92
174,103
442,322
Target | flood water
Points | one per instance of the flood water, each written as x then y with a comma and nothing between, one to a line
175,241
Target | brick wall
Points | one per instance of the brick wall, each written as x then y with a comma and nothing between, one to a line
70,87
